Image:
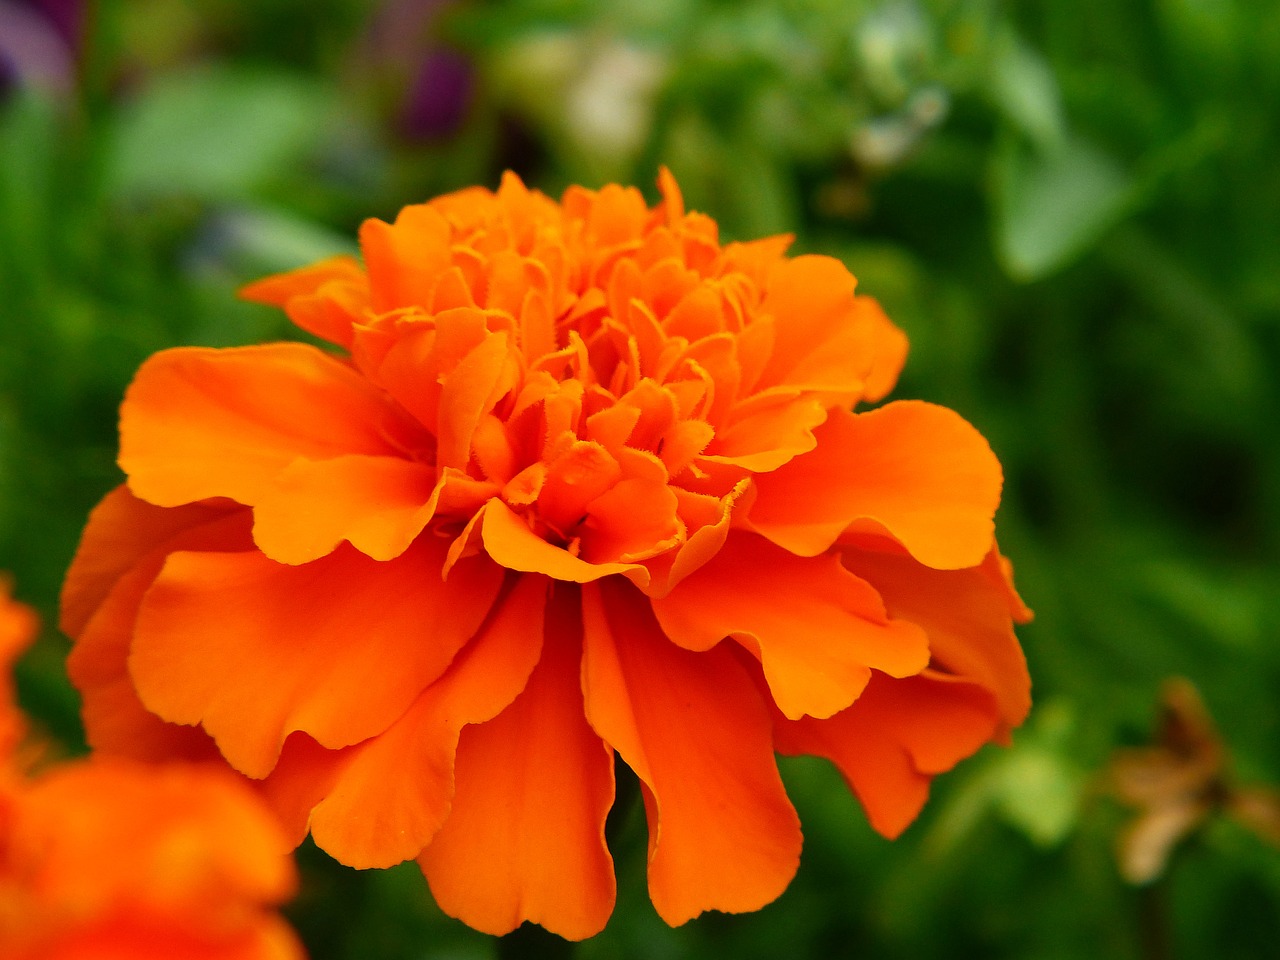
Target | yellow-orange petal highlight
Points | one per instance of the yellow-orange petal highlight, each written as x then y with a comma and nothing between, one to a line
580,484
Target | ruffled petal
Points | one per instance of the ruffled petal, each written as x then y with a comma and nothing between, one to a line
253,650
405,259
324,299
525,838
394,790
121,531
199,423
894,738
817,655
913,469
377,504
115,720
889,349
775,431
467,393
634,520
810,298
304,774
706,531
967,615
695,729
509,542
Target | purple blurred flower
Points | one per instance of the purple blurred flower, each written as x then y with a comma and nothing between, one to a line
66,16
439,97
435,82
39,43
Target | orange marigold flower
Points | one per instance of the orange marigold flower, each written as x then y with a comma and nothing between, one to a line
110,858
582,481
18,626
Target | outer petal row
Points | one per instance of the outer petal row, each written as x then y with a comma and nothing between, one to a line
381,801
253,650
913,469
283,428
891,742
968,616
818,655
123,549
693,727
525,840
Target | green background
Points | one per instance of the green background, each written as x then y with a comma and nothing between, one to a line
1072,208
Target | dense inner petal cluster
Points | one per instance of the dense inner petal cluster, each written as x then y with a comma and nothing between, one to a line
577,479
583,389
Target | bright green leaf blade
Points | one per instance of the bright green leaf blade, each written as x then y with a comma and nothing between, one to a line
1024,89
217,134
1051,207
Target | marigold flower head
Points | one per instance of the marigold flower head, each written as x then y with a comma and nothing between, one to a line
581,480
108,857
18,626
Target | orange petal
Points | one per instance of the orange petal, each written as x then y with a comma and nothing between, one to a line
889,350
525,839
325,298
395,790
510,543
377,504
467,393
966,616
894,738
114,718
128,937
694,728
706,530
773,433
914,469
303,776
817,629
755,258
253,650
133,860
632,521
405,259
683,442
278,289
811,298
121,530
583,472
141,808
199,423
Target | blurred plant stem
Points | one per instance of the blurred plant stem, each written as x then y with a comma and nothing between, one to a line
529,942
1153,921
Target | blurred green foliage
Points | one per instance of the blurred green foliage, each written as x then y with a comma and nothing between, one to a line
1071,207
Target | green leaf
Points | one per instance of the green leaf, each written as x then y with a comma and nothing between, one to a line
269,240
1052,206
214,133
1038,794
1023,87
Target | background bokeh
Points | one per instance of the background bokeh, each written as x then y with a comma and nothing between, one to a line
1072,207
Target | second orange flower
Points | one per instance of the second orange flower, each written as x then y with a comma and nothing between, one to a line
580,480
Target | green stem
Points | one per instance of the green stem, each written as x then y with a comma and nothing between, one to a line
1153,921
529,942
